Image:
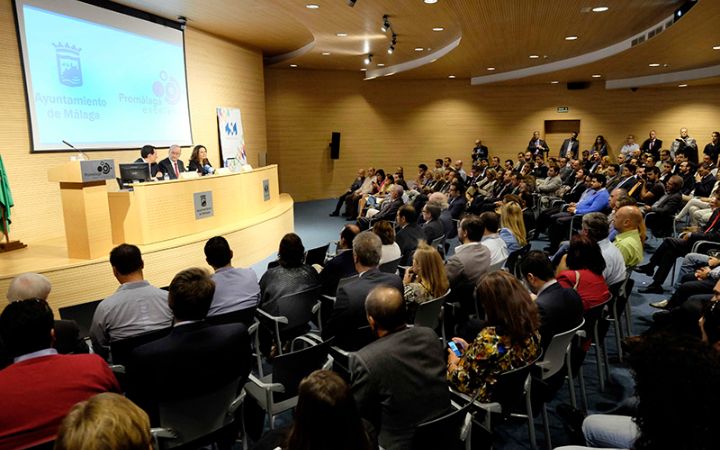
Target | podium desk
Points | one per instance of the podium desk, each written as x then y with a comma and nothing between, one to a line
158,211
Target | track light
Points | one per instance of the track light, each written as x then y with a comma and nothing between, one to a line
351,3
391,49
386,24
368,59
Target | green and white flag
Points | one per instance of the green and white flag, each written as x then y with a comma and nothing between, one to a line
6,200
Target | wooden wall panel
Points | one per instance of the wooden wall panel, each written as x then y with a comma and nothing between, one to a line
219,74
386,123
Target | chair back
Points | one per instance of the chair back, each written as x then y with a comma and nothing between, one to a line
245,316
120,350
439,244
497,266
511,387
554,357
428,313
298,307
316,255
390,266
512,264
290,368
183,418
593,315
446,432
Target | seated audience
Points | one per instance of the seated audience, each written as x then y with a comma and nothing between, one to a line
236,289
41,386
349,312
509,340
552,183
700,208
491,239
672,248
665,209
471,259
408,234
513,226
135,308
67,333
426,279
353,187
388,374
195,358
584,271
596,227
390,249
388,209
108,420
560,308
290,276
366,188
199,162
341,265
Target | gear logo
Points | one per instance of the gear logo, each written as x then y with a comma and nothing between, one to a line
167,87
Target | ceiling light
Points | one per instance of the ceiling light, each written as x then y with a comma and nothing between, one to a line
381,65
386,24
293,65
312,6
717,47
430,2
341,34
433,60
491,68
451,76
326,53
351,3
654,65
438,29
363,70
554,82
682,85
571,38
388,74
368,59
534,56
600,9
597,76
391,49
419,49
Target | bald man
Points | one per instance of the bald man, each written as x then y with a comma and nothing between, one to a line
388,374
172,166
34,285
628,221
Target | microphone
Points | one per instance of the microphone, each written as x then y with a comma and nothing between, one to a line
83,156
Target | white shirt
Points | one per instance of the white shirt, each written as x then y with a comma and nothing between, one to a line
498,248
614,263
389,253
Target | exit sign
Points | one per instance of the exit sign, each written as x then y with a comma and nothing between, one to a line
563,109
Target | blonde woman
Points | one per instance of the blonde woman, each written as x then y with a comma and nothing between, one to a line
513,226
426,279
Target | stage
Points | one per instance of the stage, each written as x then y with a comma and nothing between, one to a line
253,236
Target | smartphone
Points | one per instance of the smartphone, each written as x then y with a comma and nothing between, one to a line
453,346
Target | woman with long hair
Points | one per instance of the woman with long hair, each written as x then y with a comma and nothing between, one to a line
390,248
426,279
509,340
513,226
199,162
600,146
326,417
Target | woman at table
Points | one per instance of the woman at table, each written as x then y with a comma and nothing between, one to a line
199,162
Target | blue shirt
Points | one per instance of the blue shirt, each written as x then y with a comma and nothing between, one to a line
593,201
235,289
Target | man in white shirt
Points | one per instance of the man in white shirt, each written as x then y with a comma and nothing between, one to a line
630,146
597,227
491,239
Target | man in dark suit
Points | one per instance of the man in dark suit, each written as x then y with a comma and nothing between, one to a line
652,145
67,333
456,208
349,312
172,166
408,233
570,146
561,309
665,208
398,381
538,146
148,155
388,209
195,357
432,228
342,265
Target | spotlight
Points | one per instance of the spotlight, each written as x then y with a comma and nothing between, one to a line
391,49
386,24
368,59
351,3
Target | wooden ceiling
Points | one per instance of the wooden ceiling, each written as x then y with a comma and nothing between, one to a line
501,34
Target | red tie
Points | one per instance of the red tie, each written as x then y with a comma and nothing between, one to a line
717,216
177,174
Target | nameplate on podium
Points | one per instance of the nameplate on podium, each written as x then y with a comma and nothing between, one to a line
203,204
97,170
